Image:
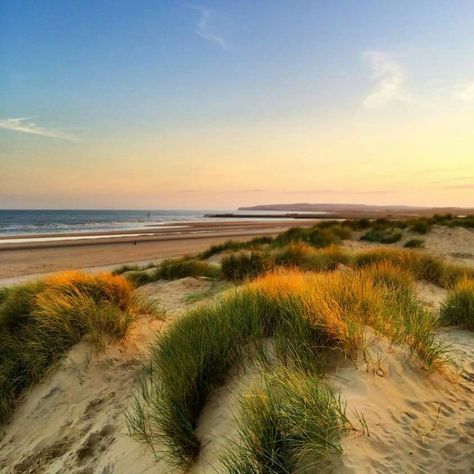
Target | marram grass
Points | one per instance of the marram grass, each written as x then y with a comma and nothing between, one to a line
306,314
458,308
39,322
289,422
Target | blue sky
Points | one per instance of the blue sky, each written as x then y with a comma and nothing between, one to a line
130,96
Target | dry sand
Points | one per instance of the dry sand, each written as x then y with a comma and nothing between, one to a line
74,420
455,244
35,260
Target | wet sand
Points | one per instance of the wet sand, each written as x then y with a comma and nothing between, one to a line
20,259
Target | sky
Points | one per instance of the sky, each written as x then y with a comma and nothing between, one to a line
150,104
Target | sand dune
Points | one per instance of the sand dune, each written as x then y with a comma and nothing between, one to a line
74,420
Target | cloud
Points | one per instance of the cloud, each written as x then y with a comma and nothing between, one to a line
25,125
203,29
465,91
388,76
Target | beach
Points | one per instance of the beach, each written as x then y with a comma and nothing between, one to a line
29,256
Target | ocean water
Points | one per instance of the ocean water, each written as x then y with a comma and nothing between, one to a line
15,222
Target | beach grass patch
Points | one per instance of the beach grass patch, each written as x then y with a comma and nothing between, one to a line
414,244
40,322
304,314
288,423
458,309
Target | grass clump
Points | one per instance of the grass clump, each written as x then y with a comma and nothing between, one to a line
39,322
174,269
306,257
421,226
383,236
419,264
306,315
319,236
233,245
131,268
458,309
293,422
246,265
414,244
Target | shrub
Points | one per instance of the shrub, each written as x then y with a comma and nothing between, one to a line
384,236
243,266
41,321
414,243
458,309
291,421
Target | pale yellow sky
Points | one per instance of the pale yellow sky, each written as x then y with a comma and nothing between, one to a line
367,158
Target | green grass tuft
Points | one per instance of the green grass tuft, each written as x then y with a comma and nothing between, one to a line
414,243
292,423
185,267
306,315
39,322
246,265
458,309
383,236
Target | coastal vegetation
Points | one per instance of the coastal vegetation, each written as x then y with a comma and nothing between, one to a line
295,305
306,316
458,309
40,322
414,244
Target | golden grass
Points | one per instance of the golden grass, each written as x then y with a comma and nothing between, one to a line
41,321
306,314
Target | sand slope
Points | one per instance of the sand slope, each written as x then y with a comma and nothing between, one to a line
73,421
417,423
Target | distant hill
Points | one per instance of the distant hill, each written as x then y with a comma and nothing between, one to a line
360,209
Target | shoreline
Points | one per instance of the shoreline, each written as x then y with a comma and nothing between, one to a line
32,260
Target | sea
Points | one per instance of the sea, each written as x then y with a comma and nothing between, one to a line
24,222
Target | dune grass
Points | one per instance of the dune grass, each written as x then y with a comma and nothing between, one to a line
414,243
235,245
40,321
319,236
383,236
421,265
292,422
306,257
131,268
458,309
246,265
184,267
305,314
173,269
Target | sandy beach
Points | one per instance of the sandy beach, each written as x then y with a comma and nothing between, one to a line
38,256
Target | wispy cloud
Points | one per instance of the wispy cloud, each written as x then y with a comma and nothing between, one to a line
465,91
388,76
26,125
204,30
